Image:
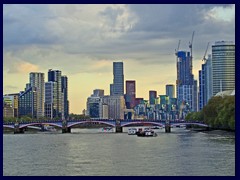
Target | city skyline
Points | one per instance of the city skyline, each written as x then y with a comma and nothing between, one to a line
76,41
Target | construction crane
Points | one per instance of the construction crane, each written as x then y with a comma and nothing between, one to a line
204,57
190,46
176,50
176,53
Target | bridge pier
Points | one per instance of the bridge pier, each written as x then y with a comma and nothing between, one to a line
167,128
18,131
119,129
66,130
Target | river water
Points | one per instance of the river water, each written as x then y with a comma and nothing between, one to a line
93,152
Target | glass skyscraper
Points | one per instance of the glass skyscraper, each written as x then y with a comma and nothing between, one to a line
118,79
223,66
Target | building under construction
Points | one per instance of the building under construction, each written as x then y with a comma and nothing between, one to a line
186,85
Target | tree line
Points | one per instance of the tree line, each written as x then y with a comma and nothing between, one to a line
219,113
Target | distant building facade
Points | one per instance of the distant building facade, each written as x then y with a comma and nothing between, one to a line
152,96
170,90
130,94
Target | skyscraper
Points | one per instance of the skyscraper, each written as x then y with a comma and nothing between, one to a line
152,96
186,90
64,80
130,94
37,81
170,90
205,83
118,79
223,66
55,76
50,99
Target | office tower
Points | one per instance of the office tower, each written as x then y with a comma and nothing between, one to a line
223,66
170,90
186,90
98,92
152,96
55,76
28,103
64,80
130,94
50,99
37,81
118,79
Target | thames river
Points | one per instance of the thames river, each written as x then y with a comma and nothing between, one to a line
93,152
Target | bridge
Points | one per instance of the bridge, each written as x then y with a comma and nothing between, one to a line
66,126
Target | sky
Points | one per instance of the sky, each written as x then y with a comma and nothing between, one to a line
83,41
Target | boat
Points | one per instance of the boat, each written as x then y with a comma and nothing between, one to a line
132,131
49,128
156,127
146,133
106,128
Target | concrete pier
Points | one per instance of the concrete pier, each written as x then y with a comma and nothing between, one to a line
119,129
66,130
167,128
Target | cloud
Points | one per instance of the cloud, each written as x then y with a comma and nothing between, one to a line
23,67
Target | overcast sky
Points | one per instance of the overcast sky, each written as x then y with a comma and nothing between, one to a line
83,41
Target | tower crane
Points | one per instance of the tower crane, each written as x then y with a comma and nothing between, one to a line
204,57
176,50
190,46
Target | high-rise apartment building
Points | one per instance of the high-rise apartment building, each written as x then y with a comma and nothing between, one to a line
170,90
130,94
36,80
118,79
56,76
152,97
223,66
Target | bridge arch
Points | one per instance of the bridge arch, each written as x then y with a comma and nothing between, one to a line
189,123
8,126
90,121
140,122
40,123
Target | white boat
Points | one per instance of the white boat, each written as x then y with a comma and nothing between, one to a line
49,128
146,133
132,131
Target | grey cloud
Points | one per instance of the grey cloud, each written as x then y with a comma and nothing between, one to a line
153,38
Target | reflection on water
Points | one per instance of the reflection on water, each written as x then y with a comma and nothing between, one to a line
99,152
